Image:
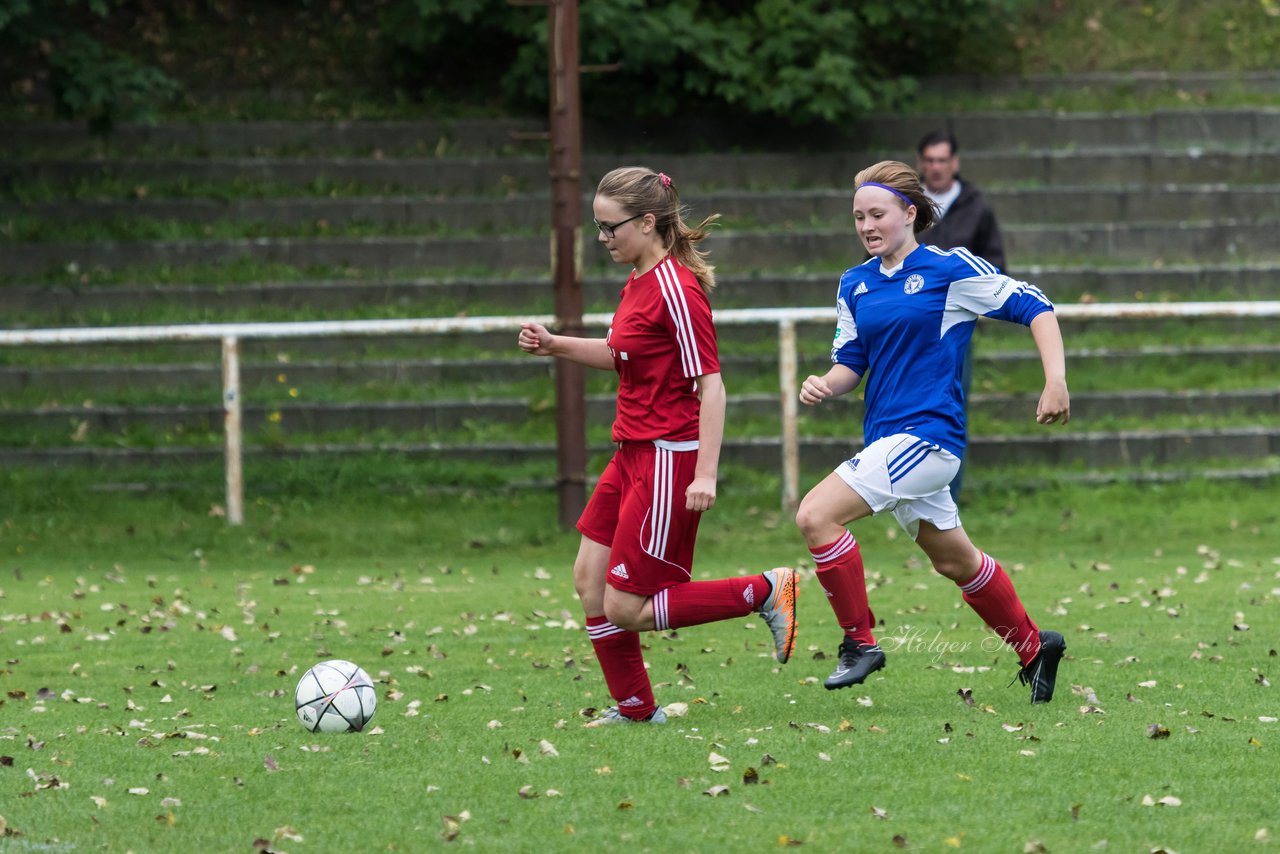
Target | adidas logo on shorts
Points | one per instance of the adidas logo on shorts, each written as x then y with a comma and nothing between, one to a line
621,571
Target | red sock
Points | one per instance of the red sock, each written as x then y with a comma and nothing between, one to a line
841,574
622,661
696,602
990,593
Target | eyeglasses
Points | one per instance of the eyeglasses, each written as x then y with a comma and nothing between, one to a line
608,229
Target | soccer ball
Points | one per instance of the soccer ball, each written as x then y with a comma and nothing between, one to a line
335,696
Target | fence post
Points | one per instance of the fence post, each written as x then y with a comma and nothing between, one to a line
231,428
788,394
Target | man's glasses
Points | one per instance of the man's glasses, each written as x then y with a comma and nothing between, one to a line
608,229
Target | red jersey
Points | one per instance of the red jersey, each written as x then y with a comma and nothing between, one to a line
661,340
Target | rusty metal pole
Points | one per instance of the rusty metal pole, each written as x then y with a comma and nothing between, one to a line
566,253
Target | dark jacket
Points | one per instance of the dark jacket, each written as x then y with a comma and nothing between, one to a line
970,223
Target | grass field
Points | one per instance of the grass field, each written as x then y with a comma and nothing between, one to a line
151,653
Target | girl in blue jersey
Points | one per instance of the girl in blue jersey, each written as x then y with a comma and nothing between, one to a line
904,321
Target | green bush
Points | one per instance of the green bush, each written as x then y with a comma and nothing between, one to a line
801,60
86,80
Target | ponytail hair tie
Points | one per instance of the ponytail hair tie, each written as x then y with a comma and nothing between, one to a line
665,179
883,187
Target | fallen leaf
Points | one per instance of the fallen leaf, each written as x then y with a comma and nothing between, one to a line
547,748
1157,731
879,813
899,840
717,791
269,762
965,694
750,777
527,792
718,762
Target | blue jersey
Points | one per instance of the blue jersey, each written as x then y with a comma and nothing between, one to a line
905,331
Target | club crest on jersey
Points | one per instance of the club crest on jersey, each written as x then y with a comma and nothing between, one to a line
913,284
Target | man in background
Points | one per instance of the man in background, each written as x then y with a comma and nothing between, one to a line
966,220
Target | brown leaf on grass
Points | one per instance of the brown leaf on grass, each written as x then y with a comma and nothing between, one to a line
750,777
167,819
787,842
527,792
965,694
1157,731
767,760
452,827
1034,846
877,812
717,791
269,762
6,761
1075,812
625,805
900,841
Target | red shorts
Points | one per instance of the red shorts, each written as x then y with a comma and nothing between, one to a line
638,510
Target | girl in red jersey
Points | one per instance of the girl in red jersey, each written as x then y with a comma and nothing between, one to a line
635,559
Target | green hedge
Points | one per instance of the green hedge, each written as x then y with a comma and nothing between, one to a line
86,79
800,60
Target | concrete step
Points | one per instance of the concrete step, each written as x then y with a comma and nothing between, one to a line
446,415
500,176
1249,240
977,131
1102,449
1063,284
95,378
1013,205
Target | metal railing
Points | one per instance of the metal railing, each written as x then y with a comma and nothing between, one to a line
786,319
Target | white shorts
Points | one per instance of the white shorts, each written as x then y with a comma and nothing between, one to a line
908,475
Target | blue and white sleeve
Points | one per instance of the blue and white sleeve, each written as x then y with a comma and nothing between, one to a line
979,290
848,349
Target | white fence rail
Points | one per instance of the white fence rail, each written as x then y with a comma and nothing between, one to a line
231,334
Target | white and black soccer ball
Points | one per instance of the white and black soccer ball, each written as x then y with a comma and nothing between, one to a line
335,696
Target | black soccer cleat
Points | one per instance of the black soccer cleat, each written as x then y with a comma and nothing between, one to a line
1041,672
858,660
